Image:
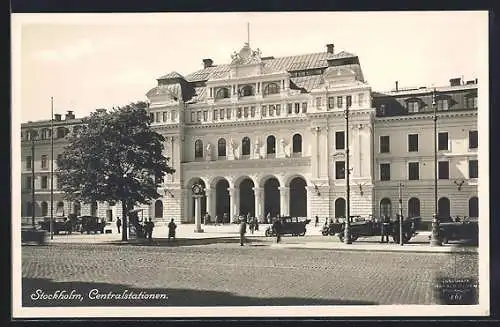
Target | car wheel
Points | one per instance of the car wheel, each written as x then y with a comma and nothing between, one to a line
302,234
268,233
324,233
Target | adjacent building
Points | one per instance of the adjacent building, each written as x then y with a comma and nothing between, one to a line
267,136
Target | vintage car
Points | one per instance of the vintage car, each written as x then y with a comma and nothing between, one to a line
458,229
290,225
61,224
33,235
370,227
92,224
335,226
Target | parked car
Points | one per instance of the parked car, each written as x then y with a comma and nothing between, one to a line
61,224
290,225
92,224
458,229
370,227
332,228
32,235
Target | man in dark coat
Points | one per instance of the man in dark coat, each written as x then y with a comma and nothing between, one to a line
171,229
277,229
243,230
386,224
118,224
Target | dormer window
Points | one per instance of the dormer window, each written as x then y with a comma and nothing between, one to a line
442,104
247,91
271,88
413,106
471,101
222,93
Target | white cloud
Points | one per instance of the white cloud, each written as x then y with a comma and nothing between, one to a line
82,48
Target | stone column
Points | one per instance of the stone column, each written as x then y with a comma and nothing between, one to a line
232,200
187,214
197,216
315,158
208,193
284,201
258,192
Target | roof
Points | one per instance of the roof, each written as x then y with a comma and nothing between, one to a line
171,75
288,63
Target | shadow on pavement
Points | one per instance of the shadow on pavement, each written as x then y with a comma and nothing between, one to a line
33,287
193,241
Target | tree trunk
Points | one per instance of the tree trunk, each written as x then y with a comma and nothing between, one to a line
124,221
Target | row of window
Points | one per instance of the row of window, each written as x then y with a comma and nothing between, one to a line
414,170
246,145
339,101
44,161
246,90
163,116
413,142
415,105
44,206
44,182
45,133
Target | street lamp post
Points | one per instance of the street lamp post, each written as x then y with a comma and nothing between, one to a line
32,138
347,230
435,241
401,242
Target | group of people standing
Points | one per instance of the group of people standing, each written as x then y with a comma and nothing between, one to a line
148,226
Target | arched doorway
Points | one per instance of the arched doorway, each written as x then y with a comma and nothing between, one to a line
385,208
474,207
77,209
222,200
444,208
413,207
340,208
298,197
247,197
158,209
271,197
203,201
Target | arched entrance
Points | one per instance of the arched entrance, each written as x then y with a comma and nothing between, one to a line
474,207
158,209
298,197
271,197
340,208
247,197
413,207
385,208
203,200
77,208
222,200
444,208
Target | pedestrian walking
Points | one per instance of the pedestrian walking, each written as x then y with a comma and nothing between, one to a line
386,223
252,224
171,229
224,218
118,224
268,218
316,221
243,230
276,227
148,230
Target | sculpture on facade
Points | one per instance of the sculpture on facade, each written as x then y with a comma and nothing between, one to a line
256,149
209,151
282,145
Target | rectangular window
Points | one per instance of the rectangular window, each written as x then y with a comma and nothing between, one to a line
339,102
318,102
297,108
339,169
59,158
339,140
58,183
278,110
443,141
444,170
413,171
205,115
290,107
442,104
228,113
192,116
361,99
215,114
413,143
471,102
264,111
44,161
413,106
348,101
304,107
198,116
252,111
384,144
28,162
245,112
238,112
271,110
472,139
221,114
158,115
385,172
29,181
174,115
44,182
151,117
473,169
331,102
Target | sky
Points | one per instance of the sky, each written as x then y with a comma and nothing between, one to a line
90,61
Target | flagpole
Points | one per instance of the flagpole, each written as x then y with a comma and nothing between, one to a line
52,168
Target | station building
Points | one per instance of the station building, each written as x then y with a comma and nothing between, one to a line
267,135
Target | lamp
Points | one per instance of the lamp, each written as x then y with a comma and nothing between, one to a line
318,193
459,183
168,191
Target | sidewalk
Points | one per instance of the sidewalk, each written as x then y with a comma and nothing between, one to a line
230,234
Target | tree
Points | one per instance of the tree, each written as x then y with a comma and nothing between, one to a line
114,156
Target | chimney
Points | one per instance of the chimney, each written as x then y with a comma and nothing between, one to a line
69,115
455,81
57,117
330,48
207,63
397,89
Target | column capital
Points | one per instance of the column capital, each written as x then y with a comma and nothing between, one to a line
208,191
284,188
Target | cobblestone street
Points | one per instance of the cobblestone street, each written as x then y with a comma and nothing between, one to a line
227,274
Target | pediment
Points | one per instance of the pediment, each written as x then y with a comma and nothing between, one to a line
338,72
